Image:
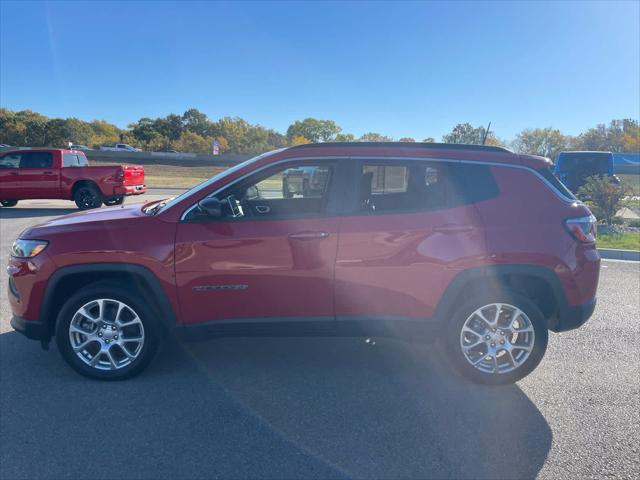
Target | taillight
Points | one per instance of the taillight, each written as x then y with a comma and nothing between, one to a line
583,229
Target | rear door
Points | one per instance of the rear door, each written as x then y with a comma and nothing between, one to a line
37,177
270,257
409,231
9,164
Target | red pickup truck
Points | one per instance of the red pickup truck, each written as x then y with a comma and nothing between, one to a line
65,174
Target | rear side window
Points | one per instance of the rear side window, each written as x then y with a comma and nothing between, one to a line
36,160
416,186
74,160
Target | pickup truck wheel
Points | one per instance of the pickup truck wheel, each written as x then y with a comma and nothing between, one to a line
8,203
105,333
496,339
87,197
114,201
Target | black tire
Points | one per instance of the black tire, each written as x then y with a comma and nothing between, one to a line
152,330
114,201
88,197
454,350
8,203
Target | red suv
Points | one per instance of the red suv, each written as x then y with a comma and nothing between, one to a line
475,246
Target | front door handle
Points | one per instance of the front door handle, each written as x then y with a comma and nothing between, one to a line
48,173
308,235
452,229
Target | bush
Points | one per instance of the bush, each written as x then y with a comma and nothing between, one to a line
603,197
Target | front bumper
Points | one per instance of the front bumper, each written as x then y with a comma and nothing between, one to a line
31,329
571,317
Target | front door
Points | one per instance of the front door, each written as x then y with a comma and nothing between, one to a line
270,256
9,164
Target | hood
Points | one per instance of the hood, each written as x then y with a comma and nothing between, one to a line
87,219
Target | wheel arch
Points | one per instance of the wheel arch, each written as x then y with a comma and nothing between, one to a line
534,281
83,183
66,280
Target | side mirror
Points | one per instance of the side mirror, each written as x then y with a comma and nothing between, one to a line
211,207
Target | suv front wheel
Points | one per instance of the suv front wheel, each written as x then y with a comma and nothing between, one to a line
105,333
497,339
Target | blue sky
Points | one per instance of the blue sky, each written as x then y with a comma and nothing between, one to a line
401,69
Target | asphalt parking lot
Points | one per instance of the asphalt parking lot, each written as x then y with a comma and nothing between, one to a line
325,408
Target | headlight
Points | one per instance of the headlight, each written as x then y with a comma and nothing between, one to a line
27,248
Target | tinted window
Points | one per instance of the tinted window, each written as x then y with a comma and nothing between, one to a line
36,160
11,160
424,186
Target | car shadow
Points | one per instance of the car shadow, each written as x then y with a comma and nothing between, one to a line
35,212
275,407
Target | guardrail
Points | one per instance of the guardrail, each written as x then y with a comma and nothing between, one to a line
161,158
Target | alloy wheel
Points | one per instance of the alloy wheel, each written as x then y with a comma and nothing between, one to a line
106,334
497,338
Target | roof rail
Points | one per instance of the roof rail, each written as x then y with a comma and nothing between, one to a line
434,145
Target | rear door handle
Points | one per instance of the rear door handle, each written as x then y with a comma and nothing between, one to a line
452,229
308,235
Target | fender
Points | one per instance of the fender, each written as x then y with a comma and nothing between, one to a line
152,292
484,274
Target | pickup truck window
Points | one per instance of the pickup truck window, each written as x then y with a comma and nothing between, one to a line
11,160
74,160
36,160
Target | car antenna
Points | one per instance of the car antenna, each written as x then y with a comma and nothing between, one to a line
486,133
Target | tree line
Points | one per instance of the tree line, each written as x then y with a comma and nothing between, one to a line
194,132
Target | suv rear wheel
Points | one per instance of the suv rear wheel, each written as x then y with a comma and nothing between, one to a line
497,339
105,333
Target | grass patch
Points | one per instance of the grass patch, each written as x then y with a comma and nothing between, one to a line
623,241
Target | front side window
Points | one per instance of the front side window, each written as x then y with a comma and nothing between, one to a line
292,191
11,160
36,160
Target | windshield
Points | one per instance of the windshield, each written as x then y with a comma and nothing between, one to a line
164,205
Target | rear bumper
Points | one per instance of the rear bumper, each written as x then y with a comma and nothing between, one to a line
131,190
30,329
572,317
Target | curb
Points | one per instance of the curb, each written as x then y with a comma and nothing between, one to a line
615,254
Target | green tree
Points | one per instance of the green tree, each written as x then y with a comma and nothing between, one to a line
299,140
609,138
314,130
429,140
603,197
197,122
190,142
468,134
407,140
345,137
374,137
546,142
